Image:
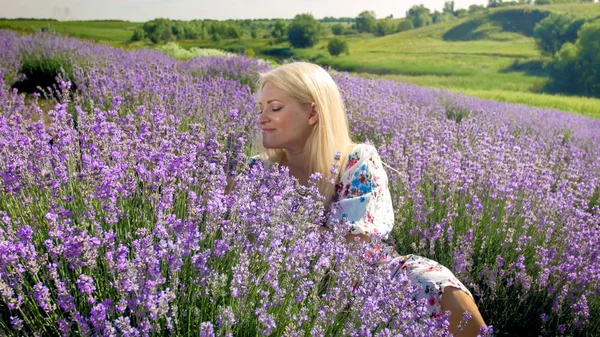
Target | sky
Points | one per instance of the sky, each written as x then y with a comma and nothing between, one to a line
145,10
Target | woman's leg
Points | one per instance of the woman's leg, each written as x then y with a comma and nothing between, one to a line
457,302
443,292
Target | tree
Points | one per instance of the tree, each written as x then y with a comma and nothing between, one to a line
337,29
422,20
588,46
419,15
574,68
279,29
366,21
442,17
461,13
190,32
158,30
475,8
138,35
405,25
336,46
304,31
385,27
449,7
417,10
555,30
177,30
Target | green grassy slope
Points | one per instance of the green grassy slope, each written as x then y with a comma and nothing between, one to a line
113,31
491,54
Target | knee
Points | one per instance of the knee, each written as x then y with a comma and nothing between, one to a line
458,302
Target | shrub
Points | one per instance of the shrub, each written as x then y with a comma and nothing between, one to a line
385,27
405,25
174,50
337,46
366,22
337,29
41,73
138,35
304,31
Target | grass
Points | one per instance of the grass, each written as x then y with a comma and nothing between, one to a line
423,58
586,9
114,31
589,107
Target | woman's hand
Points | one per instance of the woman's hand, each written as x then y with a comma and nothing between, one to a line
357,238
349,237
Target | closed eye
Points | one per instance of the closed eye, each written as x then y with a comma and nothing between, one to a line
276,109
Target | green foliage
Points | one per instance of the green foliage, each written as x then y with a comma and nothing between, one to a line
417,10
449,7
443,17
548,2
341,19
574,68
336,46
176,51
366,22
164,30
419,15
556,30
158,30
461,13
304,31
475,8
494,3
338,29
41,72
385,27
520,21
279,30
138,35
215,37
405,25
421,20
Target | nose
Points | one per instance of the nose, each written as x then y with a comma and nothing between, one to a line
262,118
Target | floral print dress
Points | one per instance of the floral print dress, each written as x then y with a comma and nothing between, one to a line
363,200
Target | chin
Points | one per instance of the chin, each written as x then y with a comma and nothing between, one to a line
269,146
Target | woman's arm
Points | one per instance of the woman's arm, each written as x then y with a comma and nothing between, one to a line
349,237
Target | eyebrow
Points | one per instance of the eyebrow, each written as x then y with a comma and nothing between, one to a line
271,101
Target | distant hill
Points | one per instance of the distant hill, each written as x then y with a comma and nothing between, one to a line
490,54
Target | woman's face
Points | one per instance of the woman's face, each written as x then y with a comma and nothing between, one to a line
285,123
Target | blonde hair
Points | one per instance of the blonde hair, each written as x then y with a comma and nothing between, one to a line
309,83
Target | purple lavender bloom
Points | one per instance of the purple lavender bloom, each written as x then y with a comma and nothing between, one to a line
117,204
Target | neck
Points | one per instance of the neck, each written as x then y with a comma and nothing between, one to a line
296,163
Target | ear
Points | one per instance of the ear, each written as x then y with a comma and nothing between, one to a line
314,116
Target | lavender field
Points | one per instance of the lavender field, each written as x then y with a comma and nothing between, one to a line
116,219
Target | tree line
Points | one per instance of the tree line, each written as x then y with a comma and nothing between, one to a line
571,41
304,28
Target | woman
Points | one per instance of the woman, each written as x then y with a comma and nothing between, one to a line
304,125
